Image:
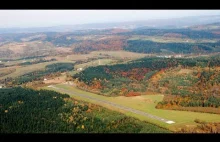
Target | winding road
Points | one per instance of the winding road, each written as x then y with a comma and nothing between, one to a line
115,105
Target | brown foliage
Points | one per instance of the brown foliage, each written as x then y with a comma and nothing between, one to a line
123,91
135,73
109,43
202,127
96,84
131,93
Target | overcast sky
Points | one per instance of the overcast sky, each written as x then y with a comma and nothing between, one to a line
44,18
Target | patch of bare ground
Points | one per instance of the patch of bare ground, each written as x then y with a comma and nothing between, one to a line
30,49
55,80
121,54
63,50
7,71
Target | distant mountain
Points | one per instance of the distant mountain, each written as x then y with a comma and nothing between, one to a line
194,39
158,23
211,27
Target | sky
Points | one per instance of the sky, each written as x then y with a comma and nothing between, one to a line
46,18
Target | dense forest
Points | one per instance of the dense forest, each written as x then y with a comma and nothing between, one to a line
194,34
147,46
198,89
61,40
137,69
25,110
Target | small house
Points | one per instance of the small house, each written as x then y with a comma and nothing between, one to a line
178,56
45,79
79,69
1,86
168,56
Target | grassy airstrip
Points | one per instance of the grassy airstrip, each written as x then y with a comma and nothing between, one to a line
147,104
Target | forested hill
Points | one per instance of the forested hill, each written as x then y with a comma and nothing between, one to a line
147,46
195,39
186,82
137,69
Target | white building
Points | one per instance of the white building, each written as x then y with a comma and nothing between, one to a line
168,56
165,56
178,56
79,69
1,86
45,79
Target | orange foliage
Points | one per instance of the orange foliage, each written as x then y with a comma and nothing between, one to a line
96,85
130,94
135,73
124,91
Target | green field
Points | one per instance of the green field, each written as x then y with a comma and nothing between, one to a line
30,68
147,104
120,54
11,63
94,63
